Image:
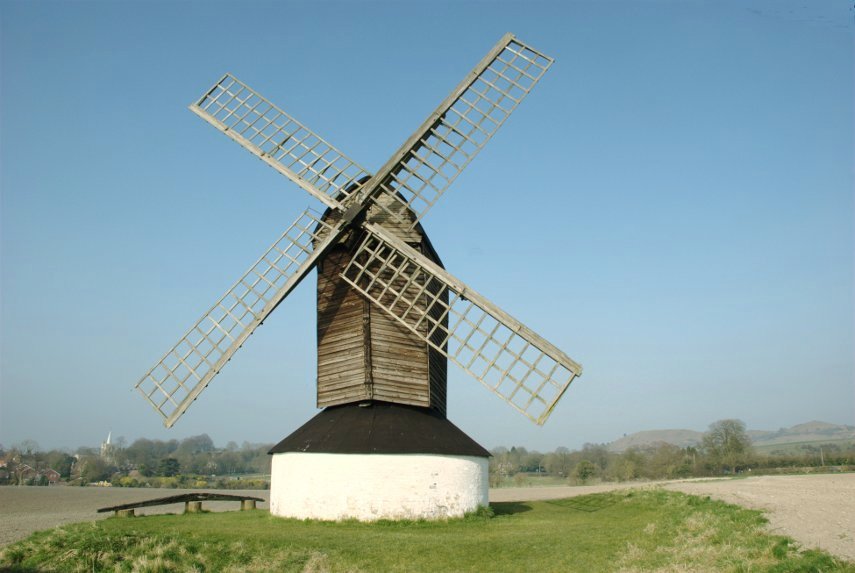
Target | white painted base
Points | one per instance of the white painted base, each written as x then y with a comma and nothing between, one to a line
368,487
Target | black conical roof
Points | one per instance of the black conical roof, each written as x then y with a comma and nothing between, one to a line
380,428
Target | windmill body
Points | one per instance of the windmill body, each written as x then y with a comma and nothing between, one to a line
382,448
390,317
363,353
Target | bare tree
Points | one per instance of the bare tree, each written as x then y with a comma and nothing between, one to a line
28,446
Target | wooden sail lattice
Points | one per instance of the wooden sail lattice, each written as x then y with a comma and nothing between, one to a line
279,140
463,124
184,371
513,361
426,164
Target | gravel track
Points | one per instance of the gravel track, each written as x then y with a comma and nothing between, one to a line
818,511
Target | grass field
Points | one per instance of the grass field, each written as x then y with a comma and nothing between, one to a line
640,530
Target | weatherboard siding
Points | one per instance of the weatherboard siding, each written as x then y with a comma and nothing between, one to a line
437,362
365,354
341,337
399,226
399,361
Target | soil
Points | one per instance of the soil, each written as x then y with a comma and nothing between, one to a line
24,510
818,511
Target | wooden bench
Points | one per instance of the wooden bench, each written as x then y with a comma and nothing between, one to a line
192,502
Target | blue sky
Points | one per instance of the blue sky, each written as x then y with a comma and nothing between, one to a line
672,205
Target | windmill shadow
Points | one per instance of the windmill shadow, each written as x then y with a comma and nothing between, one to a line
588,503
509,508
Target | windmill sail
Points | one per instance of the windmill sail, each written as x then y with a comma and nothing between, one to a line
422,168
503,354
187,369
279,140
432,158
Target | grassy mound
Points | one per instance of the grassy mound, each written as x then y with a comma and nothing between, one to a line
649,530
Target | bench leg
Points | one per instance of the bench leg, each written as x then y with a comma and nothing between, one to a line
247,504
192,507
124,513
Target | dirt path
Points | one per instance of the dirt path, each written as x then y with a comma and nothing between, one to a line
24,510
818,511
815,510
562,491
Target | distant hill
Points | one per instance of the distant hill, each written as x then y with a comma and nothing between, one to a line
808,432
682,438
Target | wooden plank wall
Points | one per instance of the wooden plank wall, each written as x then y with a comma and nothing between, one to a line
437,362
342,373
379,213
399,361
365,354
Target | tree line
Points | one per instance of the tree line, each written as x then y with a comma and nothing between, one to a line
191,462
725,449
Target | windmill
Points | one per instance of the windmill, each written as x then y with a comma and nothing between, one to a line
389,315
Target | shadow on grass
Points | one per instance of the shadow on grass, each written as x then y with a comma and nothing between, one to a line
586,503
509,507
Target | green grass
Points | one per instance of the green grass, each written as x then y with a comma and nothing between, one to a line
649,530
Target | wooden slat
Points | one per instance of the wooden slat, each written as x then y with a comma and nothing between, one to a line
349,384
185,497
513,361
341,353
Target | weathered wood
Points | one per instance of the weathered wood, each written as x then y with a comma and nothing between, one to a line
368,362
410,393
401,228
414,394
403,362
343,384
385,379
336,342
194,506
342,315
342,395
336,378
341,351
345,354
335,370
438,376
365,354
437,362
185,497
384,333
